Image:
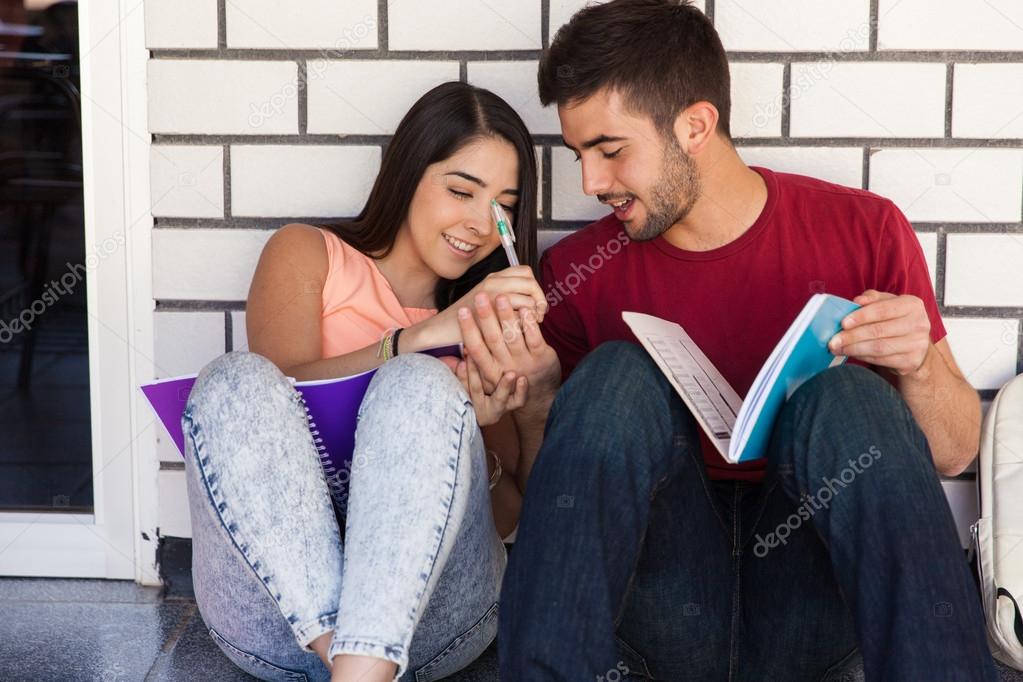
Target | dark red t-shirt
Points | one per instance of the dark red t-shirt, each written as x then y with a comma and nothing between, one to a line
735,301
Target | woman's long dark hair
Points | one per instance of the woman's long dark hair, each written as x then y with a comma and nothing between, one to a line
442,122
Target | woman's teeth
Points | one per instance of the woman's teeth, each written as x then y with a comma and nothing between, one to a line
459,244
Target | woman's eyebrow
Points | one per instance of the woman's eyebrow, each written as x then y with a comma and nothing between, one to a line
473,178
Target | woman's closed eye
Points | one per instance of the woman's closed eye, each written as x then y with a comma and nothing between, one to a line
465,196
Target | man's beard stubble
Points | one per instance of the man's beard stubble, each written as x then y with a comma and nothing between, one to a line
674,195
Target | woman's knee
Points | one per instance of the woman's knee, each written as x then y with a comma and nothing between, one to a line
414,379
238,377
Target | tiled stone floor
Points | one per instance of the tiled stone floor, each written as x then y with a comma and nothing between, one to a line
117,631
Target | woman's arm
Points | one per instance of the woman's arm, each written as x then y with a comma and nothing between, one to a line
505,498
283,315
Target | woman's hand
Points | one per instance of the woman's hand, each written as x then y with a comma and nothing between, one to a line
500,339
516,284
509,395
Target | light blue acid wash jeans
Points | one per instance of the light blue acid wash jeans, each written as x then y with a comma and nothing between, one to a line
416,574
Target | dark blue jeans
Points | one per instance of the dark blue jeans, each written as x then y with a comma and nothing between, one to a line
629,559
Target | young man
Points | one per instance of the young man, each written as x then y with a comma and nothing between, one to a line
640,551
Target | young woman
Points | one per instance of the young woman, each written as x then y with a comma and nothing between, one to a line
403,582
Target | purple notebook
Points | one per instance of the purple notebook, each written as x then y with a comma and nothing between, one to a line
332,407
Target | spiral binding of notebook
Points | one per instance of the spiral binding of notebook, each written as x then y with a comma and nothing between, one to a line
338,490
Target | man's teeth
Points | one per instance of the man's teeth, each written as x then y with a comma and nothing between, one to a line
460,245
621,203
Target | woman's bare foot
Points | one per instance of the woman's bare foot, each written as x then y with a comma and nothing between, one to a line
350,668
321,644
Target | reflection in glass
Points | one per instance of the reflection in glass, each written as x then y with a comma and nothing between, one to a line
45,452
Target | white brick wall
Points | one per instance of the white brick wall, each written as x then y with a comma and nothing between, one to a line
223,96
988,100
984,270
868,100
181,24
301,97
793,25
348,97
463,25
202,264
960,185
840,165
757,99
950,24
308,180
324,24
515,81
187,181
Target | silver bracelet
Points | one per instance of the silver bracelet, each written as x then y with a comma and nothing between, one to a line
496,475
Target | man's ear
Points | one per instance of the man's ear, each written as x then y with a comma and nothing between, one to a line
695,126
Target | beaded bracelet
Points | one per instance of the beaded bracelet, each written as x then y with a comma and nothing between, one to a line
388,347
496,475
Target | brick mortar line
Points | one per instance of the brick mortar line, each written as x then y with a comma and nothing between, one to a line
221,27
227,181
865,172
547,224
874,13
228,332
553,140
383,22
941,250
786,100
545,23
330,53
210,305
303,97
1019,350
949,94
547,187
532,54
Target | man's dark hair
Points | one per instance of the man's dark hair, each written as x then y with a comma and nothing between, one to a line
661,55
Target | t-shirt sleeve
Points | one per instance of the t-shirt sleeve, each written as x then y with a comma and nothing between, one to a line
562,327
902,269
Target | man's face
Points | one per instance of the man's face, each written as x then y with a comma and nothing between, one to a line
644,175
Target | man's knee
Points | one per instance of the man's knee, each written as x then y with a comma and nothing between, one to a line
866,416
841,390
616,373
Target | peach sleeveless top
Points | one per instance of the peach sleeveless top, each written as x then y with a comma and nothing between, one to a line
359,304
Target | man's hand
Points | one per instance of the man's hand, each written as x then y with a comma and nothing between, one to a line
501,341
888,331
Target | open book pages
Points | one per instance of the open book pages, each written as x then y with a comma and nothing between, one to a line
740,429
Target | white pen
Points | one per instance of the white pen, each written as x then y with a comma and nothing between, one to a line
504,231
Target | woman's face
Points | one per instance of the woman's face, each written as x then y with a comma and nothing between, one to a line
449,221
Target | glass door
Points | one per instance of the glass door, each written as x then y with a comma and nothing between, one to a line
67,499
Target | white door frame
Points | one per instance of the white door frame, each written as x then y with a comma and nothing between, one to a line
112,542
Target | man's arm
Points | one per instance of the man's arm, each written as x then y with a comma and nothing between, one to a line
946,407
893,333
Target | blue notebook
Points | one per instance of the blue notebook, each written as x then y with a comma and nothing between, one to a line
741,429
